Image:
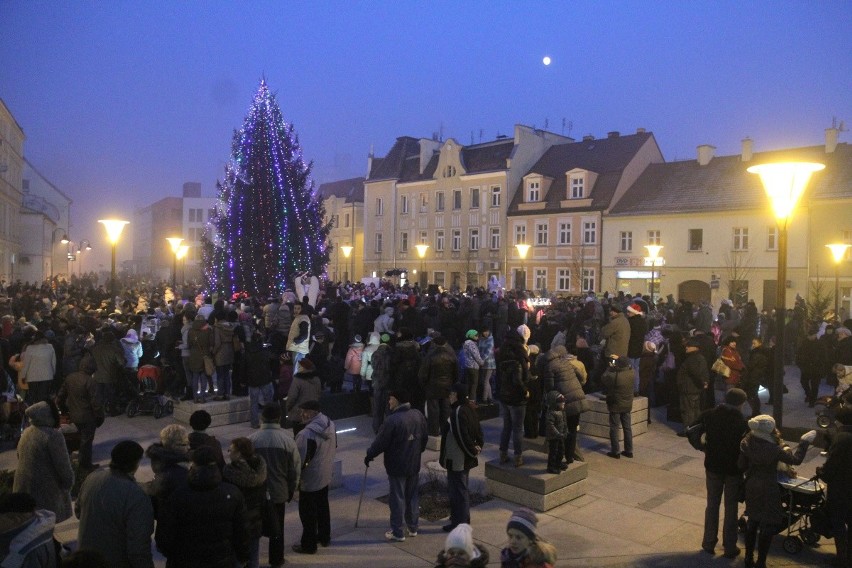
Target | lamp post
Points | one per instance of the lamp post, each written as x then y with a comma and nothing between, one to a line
347,252
838,250
113,228
83,247
64,240
784,183
421,252
175,244
523,249
653,253
179,255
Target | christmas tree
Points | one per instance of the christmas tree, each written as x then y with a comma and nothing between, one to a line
268,225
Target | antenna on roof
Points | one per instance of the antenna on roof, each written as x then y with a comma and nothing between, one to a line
481,131
441,139
471,137
546,123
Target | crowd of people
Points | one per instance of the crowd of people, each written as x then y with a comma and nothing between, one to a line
427,357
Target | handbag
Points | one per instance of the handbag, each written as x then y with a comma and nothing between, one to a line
209,367
720,368
697,436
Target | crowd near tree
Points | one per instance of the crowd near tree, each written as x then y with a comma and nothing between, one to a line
71,348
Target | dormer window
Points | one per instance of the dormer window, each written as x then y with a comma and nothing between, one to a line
533,191
578,187
449,171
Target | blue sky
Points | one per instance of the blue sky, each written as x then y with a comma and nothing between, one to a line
122,101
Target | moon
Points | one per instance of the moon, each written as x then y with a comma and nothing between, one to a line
546,60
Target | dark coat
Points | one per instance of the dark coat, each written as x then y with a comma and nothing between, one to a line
512,373
757,370
258,360
692,374
250,478
198,439
638,330
109,361
439,371
557,373
79,392
405,367
725,427
480,561
465,429
759,459
837,470
203,523
402,439
618,381
811,359
617,335
170,468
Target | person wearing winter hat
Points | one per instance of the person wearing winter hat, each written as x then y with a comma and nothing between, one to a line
812,360
472,362
526,549
835,472
524,332
305,386
638,331
618,381
724,427
761,451
459,549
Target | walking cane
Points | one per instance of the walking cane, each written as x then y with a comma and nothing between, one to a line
361,498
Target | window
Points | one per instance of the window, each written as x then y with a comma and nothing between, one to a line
335,221
540,278
495,196
192,215
520,234
696,239
654,237
590,232
211,213
346,220
456,199
474,198
424,203
380,206
589,279
439,241
563,280
772,238
456,240
403,241
424,238
378,243
541,234
564,233
578,186
439,201
625,242
846,237
449,171
533,191
440,279
494,238
474,239
404,204
740,238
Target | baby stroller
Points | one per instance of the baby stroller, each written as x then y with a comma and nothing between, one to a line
829,405
806,514
150,398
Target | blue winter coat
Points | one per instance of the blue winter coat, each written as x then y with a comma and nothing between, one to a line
402,438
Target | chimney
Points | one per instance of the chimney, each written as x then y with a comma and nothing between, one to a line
613,134
831,139
588,137
370,162
705,154
640,130
747,149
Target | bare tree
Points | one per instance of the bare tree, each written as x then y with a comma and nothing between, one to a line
738,267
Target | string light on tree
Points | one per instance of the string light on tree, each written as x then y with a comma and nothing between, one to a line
268,225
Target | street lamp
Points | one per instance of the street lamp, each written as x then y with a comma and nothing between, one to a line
63,240
523,249
347,252
175,244
838,250
421,252
113,228
784,182
179,255
653,253
87,246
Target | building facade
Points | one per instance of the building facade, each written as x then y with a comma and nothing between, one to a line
344,209
11,192
45,211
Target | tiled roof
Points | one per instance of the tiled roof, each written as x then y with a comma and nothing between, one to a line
724,183
487,157
395,163
606,157
350,189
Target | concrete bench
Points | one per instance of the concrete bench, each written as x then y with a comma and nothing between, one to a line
222,412
595,422
531,486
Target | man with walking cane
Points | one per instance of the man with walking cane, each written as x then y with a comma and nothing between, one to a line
402,438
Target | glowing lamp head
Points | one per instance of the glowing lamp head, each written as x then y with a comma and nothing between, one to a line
175,243
421,250
785,182
653,251
838,251
113,228
522,250
347,250
64,240
182,250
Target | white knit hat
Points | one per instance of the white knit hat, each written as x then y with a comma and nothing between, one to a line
461,538
524,332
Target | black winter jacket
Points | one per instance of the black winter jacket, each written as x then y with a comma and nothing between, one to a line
464,427
512,373
557,373
439,371
725,427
